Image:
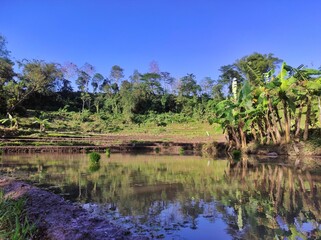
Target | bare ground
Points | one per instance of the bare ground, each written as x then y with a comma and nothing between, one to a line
58,219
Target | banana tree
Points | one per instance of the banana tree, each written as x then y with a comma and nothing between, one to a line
281,87
43,123
313,87
12,120
226,116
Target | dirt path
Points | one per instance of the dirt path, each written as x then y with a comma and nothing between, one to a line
58,219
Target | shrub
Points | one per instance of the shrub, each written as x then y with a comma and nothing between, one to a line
94,157
94,167
181,151
108,152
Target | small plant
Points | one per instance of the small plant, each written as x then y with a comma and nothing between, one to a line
108,152
157,150
181,151
1,152
94,167
94,157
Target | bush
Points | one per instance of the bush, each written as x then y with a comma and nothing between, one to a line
108,152
94,167
94,157
181,151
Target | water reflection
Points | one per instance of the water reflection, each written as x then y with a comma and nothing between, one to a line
186,197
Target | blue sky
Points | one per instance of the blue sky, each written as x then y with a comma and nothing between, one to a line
183,36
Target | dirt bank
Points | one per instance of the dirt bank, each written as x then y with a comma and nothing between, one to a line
58,219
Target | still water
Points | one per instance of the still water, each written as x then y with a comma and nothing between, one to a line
185,197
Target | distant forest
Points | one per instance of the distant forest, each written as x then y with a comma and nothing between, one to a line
257,97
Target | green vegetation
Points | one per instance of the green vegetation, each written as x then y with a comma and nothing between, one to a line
181,151
14,223
248,101
236,155
259,98
94,157
108,152
250,196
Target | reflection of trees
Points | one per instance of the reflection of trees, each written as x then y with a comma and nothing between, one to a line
273,194
255,200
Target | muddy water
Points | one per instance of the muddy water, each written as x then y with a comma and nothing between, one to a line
185,197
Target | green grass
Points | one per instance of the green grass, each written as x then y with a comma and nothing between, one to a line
71,125
14,223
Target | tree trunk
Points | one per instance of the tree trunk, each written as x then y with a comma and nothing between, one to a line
269,128
298,122
287,124
253,132
274,122
278,118
242,135
236,139
307,119
97,108
261,133
319,106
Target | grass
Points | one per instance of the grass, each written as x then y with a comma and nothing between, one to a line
14,223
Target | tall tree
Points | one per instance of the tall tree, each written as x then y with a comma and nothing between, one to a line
228,73
188,86
254,66
37,76
116,73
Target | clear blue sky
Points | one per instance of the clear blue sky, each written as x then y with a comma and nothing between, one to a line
183,36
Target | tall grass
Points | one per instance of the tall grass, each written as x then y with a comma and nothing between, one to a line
14,223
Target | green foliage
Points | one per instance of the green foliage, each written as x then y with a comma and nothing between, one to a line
181,151
94,157
157,150
94,167
157,99
236,155
14,223
108,152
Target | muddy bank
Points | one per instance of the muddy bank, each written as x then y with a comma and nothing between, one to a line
57,219
308,148
116,144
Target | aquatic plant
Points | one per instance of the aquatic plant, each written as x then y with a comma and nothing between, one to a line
181,151
94,167
108,152
94,157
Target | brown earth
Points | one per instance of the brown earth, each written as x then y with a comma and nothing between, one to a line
58,219
116,143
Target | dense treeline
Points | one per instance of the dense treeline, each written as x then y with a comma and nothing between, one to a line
257,97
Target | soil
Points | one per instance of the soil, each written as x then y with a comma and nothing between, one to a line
58,219
116,143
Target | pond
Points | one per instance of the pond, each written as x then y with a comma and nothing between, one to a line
185,197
